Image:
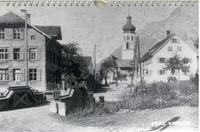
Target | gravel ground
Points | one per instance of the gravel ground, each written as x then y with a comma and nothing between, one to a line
113,93
39,119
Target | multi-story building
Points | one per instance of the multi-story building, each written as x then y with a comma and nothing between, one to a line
155,61
44,54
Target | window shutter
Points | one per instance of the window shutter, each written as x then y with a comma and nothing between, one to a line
10,53
38,74
22,33
11,75
23,76
38,53
6,33
22,53
10,33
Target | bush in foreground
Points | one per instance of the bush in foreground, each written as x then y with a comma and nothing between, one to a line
161,95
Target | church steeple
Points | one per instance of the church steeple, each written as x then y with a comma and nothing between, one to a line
129,27
128,39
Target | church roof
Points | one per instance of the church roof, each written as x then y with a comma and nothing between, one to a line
129,27
11,18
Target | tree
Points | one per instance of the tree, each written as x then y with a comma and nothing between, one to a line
177,64
105,67
74,66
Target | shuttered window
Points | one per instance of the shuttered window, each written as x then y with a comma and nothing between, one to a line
32,54
32,74
17,75
162,72
4,75
18,33
161,60
16,53
3,54
2,34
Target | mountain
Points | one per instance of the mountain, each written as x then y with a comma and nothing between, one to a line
183,22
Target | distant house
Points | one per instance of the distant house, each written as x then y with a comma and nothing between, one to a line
44,54
154,61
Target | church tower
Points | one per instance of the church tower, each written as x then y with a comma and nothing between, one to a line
128,40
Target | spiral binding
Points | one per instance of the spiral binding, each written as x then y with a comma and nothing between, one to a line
87,3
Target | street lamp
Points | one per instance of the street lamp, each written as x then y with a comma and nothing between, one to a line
27,16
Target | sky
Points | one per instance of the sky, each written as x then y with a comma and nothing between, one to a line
91,25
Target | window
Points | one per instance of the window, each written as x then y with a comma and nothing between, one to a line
174,40
179,48
127,45
2,34
17,74
162,72
3,54
18,33
32,54
16,53
131,37
32,74
186,60
127,37
4,76
170,48
146,72
162,60
32,37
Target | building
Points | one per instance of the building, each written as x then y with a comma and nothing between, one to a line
125,57
44,54
154,61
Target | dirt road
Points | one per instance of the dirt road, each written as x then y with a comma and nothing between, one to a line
38,119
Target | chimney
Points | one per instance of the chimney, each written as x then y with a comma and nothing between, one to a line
168,33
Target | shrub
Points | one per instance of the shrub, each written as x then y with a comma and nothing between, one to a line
159,95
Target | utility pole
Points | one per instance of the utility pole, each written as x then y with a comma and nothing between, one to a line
140,66
94,62
136,63
133,68
26,44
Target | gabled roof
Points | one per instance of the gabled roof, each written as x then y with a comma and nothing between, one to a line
53,31
11,18
156,47
49,31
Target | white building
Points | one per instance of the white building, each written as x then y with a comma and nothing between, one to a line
154,61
